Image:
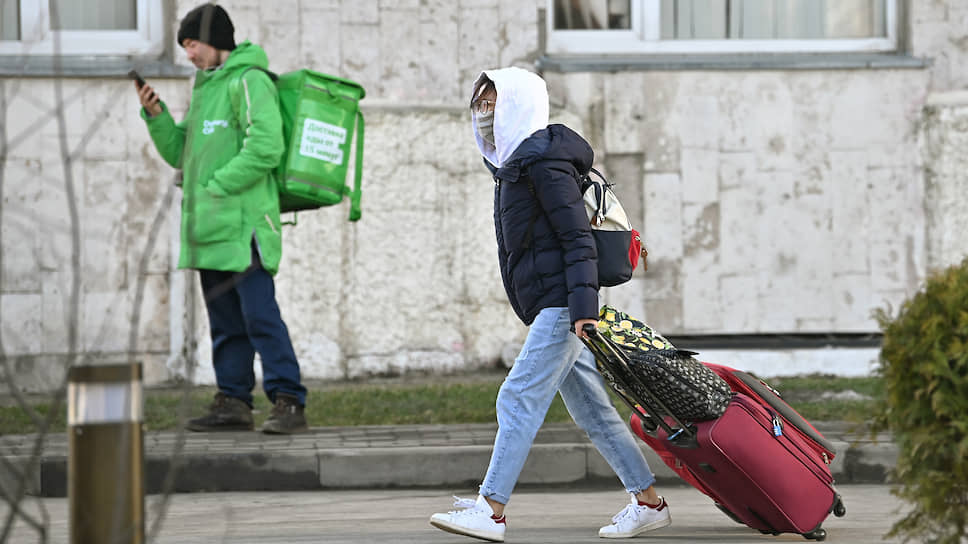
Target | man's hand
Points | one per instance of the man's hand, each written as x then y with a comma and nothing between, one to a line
149,99
581,323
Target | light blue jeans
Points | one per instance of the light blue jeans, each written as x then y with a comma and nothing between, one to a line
554,360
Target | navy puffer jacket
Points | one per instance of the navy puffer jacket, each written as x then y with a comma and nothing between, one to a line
559,267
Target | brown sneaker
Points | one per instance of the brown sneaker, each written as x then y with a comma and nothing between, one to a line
287,417
224,414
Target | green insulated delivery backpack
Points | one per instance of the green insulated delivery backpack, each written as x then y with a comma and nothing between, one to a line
319,115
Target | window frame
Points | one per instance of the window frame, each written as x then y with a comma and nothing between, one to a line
644,38
37,38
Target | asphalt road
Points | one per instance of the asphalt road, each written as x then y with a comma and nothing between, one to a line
401,517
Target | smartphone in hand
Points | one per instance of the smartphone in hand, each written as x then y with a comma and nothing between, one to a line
133,74
149,102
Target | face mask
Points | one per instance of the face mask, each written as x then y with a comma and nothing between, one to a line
485,126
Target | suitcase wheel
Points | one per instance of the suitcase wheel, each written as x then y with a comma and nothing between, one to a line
649,425
818,535
839,509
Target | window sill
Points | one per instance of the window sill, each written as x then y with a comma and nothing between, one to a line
89,67
758,61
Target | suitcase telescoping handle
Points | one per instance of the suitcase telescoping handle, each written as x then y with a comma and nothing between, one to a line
611,355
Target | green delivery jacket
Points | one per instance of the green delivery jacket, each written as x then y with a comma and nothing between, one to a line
227,148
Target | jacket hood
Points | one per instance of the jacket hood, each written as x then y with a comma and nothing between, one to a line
248,54
244,55
556,142
520,110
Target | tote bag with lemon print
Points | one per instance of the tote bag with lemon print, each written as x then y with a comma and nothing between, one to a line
685,386
627,331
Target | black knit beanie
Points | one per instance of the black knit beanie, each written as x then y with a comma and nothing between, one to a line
208,23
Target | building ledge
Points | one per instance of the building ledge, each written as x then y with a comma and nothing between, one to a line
757,61
89,67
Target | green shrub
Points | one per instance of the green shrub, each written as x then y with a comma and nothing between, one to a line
924,364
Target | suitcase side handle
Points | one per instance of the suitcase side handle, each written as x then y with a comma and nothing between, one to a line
607,353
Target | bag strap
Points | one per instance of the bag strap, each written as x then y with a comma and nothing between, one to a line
355,211
236,82
599,174
234,92
600,189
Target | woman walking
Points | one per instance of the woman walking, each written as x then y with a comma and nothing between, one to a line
548,264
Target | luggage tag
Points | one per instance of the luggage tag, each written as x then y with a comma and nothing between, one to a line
777,426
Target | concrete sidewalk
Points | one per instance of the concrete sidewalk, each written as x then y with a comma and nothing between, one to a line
377,457
400,516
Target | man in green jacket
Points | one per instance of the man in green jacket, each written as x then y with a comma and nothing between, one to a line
228,145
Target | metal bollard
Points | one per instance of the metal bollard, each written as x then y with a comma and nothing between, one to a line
105,468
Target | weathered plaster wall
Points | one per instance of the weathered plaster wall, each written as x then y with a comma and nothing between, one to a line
85,229
772,200
944,145
937,32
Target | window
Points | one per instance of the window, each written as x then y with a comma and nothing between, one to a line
721,26
88,27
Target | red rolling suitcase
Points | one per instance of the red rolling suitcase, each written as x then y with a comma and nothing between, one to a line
760,470
758,390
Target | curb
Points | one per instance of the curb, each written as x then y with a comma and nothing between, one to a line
381,457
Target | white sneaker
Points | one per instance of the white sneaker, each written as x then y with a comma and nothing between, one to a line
472,518
635,520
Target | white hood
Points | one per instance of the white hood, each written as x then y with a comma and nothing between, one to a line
521,109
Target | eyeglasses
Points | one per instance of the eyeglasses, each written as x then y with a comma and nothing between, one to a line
482,106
